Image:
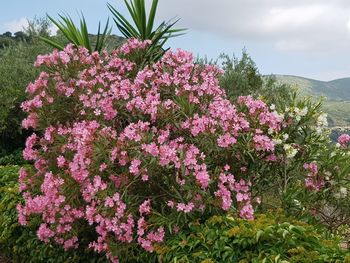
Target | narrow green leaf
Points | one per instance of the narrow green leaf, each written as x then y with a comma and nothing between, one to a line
120,20
151,17
52,43
258,235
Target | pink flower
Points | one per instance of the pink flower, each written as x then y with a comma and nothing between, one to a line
263,143
134,167
61,161
181,207
145,207
344,139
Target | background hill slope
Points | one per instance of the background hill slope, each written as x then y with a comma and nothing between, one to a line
335,92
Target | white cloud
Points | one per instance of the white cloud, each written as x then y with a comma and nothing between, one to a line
53,30
16,25
298,25
21,23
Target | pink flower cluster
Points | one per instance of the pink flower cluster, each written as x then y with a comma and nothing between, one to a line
313,181
344,140
227,185
116,140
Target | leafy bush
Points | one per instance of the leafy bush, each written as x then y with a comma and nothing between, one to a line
270,237
241,77
126,157
21,244
16,71
14,158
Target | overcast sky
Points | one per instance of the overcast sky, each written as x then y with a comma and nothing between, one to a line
309,38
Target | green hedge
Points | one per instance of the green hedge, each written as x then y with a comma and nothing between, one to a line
269,238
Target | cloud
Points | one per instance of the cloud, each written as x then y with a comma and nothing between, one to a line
21,23
299,25
16,25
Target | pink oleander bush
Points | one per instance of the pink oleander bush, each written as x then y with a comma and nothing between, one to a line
129,156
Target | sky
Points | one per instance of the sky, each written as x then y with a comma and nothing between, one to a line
309,38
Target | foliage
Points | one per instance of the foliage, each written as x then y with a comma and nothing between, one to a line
241,76
20,244
270,237
13,158
38,27
16,71
77,36
335,92
143,27
141,132
131,156
7,39
302,141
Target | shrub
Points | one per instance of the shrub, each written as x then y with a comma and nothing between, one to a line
126,157
118,139
14,158
16,71
241,77
270,237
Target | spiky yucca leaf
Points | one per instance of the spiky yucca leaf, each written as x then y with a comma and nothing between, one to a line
78,36
143,26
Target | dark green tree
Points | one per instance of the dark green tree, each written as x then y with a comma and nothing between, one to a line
241,76
7,34
20,36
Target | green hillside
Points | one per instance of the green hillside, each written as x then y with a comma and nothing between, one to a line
335,92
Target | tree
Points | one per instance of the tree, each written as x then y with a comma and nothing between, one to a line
21,36
241,76
7,34
38,27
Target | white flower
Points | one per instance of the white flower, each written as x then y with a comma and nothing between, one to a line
322,120
297,202
343,191
298,118
327,175
337,195
290,150
304,111
272,107
280,116
285,136
318,130
277,141
270,131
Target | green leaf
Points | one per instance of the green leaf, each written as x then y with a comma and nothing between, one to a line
258,235
78,36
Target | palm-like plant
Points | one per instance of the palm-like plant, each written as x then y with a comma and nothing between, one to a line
78,36
143,27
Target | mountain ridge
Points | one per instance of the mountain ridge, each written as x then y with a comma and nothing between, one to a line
336,93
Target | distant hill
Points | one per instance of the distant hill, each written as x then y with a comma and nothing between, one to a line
336,93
